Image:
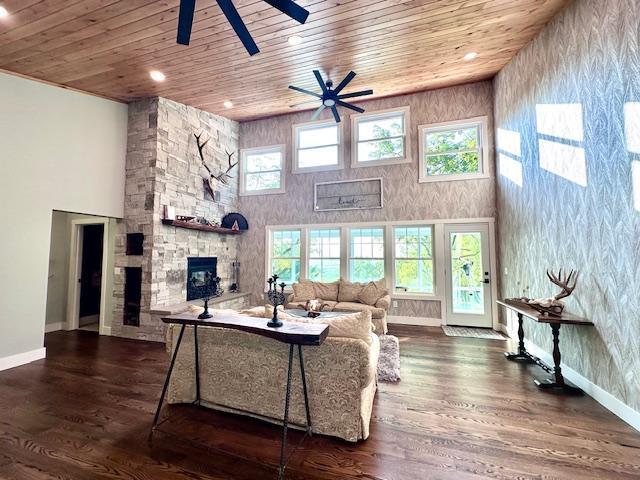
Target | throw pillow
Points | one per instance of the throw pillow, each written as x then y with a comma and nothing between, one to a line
303,291
326,291
370,294
348,292
355,325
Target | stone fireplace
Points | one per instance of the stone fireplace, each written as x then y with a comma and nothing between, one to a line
162,169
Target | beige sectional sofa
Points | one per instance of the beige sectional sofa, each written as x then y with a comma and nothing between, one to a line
343,296
246,374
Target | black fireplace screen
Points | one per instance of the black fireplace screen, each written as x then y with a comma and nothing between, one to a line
201,274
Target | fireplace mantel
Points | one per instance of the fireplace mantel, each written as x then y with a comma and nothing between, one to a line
200,227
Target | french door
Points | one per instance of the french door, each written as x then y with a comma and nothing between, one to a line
467,274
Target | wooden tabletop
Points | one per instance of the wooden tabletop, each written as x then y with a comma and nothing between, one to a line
532,313
290,332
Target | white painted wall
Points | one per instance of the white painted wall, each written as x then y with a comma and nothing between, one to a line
58,150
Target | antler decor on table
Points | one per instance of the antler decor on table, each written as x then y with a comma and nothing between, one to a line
554,305
208,177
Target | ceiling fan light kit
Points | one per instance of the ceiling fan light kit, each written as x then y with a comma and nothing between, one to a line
331,97
187,12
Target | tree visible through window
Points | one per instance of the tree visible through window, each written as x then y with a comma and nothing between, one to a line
380,137
262,169
285,255
324,255
413,259
366,254
451,151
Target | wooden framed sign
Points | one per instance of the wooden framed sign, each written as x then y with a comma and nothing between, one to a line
348,195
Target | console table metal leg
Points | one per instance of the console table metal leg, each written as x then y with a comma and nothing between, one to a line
166,383
197,359
521,355
557,383
304,389
286,416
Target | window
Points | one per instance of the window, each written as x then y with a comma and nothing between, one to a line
413,268
454,150
366,254
285,255
380,138
324,255
261,170
317,147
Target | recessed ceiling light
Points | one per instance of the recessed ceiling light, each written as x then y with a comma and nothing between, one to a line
228,104
157,76
3,12
294,40
470,56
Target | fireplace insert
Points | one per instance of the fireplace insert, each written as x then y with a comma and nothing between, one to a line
201,277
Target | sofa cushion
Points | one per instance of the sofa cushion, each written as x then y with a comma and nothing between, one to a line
303,291
326,291
356,325
370,294
358,307
349,291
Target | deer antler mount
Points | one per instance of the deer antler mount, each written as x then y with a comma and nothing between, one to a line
210,179
554,305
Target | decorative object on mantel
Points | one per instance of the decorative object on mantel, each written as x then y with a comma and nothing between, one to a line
188,8
330,97
348,195
235,221
553,305
205,287
197,223
276,298
209,180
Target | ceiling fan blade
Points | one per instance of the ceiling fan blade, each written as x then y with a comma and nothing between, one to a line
320,81
238,25
345,81
291,9
317,113
307,92
295,105
356,94
348,105
185,21
334,109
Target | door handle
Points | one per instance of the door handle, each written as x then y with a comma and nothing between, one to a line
486,280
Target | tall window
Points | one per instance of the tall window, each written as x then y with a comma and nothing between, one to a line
324,255
261,170
285,255
413,269
453,150
380,138
317,147
366,254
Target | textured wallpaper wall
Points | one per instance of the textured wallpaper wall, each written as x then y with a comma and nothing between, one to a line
404,197
568,137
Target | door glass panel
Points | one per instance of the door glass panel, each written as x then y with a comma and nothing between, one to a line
466,273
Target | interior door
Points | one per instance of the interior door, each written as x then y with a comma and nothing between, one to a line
467,273
91,270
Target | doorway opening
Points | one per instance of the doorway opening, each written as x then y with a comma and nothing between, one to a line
90,277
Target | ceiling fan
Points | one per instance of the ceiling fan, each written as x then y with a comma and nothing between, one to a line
187,9
331,97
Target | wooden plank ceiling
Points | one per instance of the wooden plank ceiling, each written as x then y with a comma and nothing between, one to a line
108,47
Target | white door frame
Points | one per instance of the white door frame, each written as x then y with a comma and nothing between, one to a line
493,267
75,270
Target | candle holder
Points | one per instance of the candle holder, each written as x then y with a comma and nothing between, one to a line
206,290
276,298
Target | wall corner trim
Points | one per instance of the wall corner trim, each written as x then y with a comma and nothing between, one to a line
22,358
54,327
604,398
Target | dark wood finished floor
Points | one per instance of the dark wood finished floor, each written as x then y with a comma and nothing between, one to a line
461,412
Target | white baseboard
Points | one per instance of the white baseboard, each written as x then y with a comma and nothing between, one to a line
106,331
54,327
419,321
22,358
604,398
